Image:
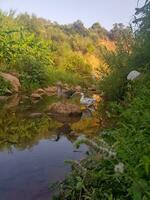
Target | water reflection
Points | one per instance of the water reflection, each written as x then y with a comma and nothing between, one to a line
27,174
33,149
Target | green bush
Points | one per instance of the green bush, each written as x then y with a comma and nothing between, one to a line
113,85
32,73
27,55
76,64
55,75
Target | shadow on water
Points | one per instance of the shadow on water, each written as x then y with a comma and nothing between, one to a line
33,147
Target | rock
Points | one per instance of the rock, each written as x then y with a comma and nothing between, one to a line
51,90
35,115
14,101
36,96
65,93
78,88
133,75
92,88
3,98
25,97
66,86
65,109
35,101
40,91
8,92
13,80
59,83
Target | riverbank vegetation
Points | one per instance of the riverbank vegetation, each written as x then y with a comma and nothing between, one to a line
118,164
40,52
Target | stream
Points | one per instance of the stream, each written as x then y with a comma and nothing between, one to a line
34,146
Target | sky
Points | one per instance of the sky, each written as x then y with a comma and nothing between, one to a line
106,12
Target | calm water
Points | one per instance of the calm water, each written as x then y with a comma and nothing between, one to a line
33,149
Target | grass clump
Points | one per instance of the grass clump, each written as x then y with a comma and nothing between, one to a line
66,77
4,86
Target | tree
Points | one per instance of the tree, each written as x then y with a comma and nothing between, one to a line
142,21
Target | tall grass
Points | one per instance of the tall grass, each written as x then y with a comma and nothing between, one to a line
55,75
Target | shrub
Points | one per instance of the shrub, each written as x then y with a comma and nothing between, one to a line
113,85
70,78
32,73
76,64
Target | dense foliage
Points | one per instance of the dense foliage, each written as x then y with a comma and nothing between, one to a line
40,51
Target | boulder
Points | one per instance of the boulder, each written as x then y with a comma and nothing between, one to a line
65,109
35,115
3,98
39,91
78,88
133,75
66,86
13,80
92,88
35,96
14,101
51,90
25,97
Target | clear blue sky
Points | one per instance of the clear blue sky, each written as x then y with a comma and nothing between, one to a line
106,12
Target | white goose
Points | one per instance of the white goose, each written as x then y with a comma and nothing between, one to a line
86,101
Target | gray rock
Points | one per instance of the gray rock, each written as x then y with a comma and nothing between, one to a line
3,98
35,115
133,75
78,88
35,96
40,91
65,109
